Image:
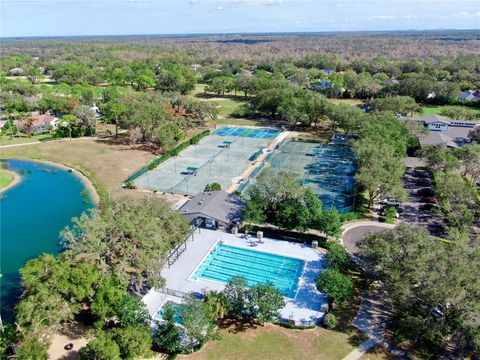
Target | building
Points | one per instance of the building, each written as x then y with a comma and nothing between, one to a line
217,209
41,122
469,95
327,72
443,130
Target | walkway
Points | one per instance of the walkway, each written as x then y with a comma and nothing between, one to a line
374,315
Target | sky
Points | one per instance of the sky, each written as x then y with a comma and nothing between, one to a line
130,17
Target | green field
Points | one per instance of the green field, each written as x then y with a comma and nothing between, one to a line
22,139
6,177
275,342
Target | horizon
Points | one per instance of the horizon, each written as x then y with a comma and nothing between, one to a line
279,33
44,18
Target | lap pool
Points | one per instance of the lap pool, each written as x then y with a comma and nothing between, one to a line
225,261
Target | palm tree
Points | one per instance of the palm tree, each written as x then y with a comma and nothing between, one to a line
217,303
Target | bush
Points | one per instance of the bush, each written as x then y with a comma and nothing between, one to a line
330,321
337,257
213,187
130,185
337,286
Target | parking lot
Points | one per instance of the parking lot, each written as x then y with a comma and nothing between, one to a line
420,209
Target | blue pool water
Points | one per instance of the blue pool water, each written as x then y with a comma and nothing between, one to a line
178,312
247,132
226,261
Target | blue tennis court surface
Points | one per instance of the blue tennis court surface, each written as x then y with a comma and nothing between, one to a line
226,261
247,132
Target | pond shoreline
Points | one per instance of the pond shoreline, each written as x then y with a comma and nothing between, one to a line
13,183
92,191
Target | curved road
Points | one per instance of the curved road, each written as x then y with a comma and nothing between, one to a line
356,231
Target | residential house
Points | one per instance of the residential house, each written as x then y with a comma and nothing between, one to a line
469,95
215,209
327,72
443,130
41,122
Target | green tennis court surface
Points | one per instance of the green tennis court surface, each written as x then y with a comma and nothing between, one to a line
326,168
216,158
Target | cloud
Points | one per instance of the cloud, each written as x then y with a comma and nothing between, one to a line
381,17
219,8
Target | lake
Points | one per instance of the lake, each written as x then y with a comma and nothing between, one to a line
31,216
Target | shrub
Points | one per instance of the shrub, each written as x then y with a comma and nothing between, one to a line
330,321
337,286
130,185
337,257
213,187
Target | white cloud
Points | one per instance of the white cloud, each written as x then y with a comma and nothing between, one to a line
381,17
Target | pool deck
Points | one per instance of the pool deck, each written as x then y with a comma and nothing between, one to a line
305,308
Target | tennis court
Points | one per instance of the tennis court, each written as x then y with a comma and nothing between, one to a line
326,168
220,157
247,132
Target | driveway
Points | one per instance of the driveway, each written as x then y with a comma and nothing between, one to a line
356,231
414,211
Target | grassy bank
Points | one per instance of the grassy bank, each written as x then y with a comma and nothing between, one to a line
6,178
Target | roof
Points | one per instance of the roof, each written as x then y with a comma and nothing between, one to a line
453,137
219,205
38,119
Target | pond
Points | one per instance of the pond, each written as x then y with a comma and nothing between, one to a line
32,214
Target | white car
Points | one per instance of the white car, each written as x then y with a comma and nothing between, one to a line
390,202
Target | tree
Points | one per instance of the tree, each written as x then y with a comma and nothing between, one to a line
264,302
134,341
457,199
474,134
235,292
106,301
380,170
132,236
101,347
31,348
404,105
440,158
88,120
330,223
217,303
114,112
34,74
197,321
330,321
175,77
282,200
131,311
470,156
337,257
429,281
166,338
220,85
144,81
337,286
213,187
29,125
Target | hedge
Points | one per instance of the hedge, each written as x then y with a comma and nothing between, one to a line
168,154
175,151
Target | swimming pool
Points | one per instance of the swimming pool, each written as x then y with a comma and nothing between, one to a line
225,261
247,132
178,312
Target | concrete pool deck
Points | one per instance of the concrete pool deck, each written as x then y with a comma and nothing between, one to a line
304,309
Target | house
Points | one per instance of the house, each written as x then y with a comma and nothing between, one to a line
327,72
41,122
469,95
443,130
320,85
195,67
216,209
16,72
391,82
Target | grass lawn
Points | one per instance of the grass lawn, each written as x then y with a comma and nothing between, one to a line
275,342
22,139
6,177
351,102
105,162
227,104
240,122
430,109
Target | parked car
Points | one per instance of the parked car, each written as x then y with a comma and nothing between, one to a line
428,200
421,174
390,202
426,192
423,182
427,207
